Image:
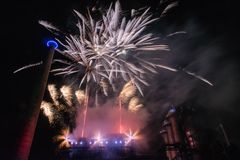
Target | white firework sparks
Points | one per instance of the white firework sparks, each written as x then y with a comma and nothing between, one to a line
28,66
169,7
198,77
49,26
109,48
102,47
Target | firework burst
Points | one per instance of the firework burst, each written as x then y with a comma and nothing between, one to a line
62,139
111,47
103,47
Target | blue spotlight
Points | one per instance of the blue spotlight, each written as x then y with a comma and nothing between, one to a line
116,142
81,142
52,43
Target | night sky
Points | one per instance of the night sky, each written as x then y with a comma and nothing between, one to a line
210,48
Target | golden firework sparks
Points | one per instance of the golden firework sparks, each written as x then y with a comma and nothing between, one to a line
80,96
128,91
67,94
47,111
135,104
53,93
62,139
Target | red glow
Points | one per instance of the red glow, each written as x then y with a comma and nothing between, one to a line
188,133
106,120
190,139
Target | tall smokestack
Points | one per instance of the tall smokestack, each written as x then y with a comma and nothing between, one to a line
28,132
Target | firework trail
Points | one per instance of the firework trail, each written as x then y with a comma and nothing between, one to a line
49,26
85,110
198,77
168,8
120,116
97,98
176,33
28,66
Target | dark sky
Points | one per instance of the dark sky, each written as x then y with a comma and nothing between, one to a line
212,44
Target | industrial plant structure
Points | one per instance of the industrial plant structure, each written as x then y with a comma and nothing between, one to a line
179,138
